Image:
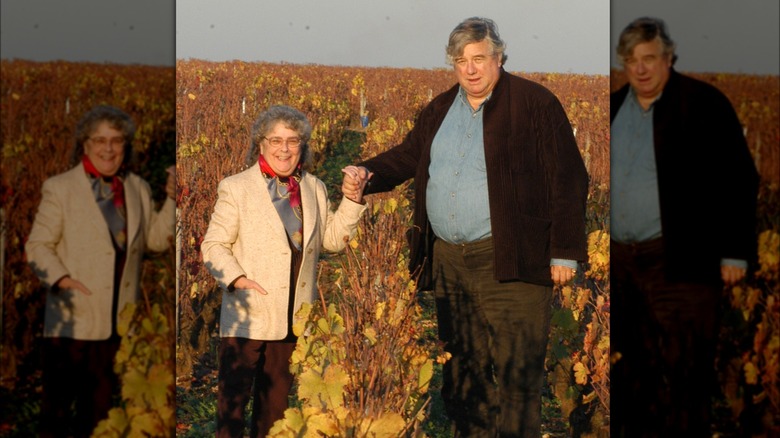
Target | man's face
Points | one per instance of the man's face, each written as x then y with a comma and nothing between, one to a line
647,69
477,70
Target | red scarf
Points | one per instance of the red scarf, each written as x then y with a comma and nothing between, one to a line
116,182
293,188
288,205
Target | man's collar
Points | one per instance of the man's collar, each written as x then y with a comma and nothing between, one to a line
634,98
465,98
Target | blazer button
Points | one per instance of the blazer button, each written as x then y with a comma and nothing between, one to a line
310,250
127,284
303,284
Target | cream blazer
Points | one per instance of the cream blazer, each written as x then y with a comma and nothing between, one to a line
70,237
246,237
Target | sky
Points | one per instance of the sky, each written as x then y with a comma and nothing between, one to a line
740,36
113,31
733,36
541,35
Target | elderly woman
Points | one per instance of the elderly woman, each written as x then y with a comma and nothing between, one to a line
86,245
262,246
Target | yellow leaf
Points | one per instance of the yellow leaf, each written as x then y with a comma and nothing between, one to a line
774,343
115,425
604,343
751,373
327,388
133,385
191,96
125,316
386,426
370,333
426,374
160,381
292,422
380,310
321,424
301,317
581,373
390,205
146,424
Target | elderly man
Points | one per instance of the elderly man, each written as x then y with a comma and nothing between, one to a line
680,169
500,191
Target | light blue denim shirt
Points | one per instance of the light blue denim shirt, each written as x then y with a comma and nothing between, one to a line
635,211
457,193
635,214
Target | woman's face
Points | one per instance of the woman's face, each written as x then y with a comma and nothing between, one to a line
105,148
281,149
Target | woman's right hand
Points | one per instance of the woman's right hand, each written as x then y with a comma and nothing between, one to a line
245,283
69,283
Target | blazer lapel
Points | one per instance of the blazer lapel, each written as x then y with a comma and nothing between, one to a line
86,206
260,204
133,209
309,206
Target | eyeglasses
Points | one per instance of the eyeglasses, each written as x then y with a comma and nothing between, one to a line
102,142
277,142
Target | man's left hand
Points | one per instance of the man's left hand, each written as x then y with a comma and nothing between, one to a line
561,274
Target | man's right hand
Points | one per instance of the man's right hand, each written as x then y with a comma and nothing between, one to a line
355,180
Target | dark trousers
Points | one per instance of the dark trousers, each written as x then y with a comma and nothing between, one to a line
80,372
665,334
497,334
257,368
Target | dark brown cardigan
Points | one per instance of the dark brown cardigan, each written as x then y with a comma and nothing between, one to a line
537,181
707,182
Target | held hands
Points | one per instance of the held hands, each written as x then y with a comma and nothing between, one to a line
69,283
170,184
355,180
561,274
245,283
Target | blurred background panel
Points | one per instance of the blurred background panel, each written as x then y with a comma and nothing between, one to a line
59,59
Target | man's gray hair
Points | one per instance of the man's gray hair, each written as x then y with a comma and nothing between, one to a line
474,30
643,30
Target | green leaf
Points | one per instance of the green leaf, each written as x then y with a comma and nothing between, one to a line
564,318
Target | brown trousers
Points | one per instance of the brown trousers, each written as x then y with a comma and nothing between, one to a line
497,333
665,334
257,368
80,372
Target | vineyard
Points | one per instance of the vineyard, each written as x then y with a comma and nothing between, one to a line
359,112
41,104
367,294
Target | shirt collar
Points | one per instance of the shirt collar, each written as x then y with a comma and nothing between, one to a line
635,99
465,99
